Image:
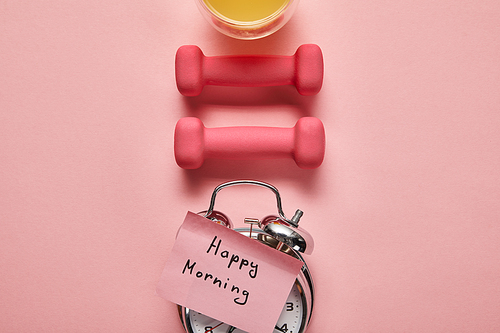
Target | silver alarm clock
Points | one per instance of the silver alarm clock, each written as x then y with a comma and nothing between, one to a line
279,233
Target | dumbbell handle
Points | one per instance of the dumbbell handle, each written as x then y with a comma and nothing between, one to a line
252,70
248,142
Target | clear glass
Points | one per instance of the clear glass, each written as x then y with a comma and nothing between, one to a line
247,29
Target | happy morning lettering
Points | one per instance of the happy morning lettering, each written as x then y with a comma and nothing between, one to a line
235,262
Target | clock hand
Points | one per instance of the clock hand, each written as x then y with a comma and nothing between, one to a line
231,329
211,329
279,329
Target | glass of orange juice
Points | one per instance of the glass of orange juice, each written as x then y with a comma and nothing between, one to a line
247,19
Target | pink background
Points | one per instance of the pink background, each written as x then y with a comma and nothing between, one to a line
404,210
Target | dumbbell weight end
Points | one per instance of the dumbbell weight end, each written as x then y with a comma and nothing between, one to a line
189,143
308,69
309,143
189,70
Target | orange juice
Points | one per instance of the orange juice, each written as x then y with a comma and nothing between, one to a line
247,19
246,10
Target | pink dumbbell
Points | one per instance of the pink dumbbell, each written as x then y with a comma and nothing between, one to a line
304,70
193,142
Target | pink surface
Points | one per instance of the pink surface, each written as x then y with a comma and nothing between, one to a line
304,143
243,267
404,209
304,70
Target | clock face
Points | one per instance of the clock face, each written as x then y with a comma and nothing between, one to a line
290,320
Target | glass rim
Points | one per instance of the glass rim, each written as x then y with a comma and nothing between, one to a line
246,24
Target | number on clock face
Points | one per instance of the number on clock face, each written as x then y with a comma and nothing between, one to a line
289,321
